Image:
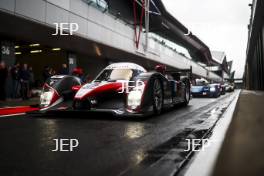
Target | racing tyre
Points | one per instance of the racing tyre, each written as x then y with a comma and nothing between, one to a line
187,96
157,96
217,95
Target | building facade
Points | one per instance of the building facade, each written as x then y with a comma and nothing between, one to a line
106,33
254,69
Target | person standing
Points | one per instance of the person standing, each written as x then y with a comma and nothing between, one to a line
24,81
78,72
15,80
3,77
52,72
9,83
31,79
64,70
46,73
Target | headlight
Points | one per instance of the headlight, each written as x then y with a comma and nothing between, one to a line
212,89
46,97
134,99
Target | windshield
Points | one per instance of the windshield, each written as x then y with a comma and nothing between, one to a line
201,83
116,74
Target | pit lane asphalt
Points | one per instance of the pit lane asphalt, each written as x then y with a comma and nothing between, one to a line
107,146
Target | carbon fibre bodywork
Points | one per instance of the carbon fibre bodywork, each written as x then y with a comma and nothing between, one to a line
110,95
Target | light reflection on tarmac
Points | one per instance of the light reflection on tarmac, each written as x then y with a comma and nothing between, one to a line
107,146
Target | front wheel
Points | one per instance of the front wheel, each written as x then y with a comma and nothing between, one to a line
81,105
157,96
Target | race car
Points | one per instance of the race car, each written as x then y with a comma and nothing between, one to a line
223,89
202,88
229,87
215,90
120,89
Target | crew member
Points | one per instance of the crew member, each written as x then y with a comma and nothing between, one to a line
161,68
24,81
79,73
64,70
3,77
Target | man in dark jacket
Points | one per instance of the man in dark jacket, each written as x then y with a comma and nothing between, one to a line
64,70
3,77
46,73
15,80
24,76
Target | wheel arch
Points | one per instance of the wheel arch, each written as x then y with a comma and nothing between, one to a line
149,78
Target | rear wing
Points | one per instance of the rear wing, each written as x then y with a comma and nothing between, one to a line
181,74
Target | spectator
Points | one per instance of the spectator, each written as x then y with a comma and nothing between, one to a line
64,70
161,68
15,80
52,72
24,81
3,77
46,73
31,79
9,83
79,73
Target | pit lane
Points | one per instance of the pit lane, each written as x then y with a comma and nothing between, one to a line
107,145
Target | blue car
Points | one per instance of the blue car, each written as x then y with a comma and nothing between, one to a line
198,91
204,89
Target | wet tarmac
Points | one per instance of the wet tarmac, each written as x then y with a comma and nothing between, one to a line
107,145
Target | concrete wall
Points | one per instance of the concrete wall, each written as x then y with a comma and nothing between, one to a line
254,70
98,26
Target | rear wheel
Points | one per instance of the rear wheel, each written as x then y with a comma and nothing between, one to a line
186,96
157,96
217,95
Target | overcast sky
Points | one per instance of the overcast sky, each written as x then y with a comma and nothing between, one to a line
221,24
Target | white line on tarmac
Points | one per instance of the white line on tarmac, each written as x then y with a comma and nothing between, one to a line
204,161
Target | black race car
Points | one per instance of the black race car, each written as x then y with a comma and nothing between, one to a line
121,89
215,90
